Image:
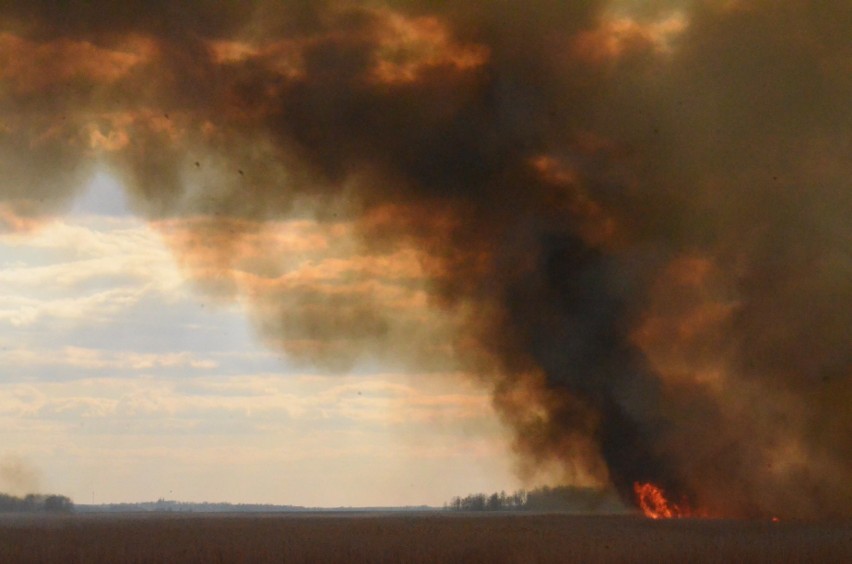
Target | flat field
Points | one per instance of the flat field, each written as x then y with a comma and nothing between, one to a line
418,537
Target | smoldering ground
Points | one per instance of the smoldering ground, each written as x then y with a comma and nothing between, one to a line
637,214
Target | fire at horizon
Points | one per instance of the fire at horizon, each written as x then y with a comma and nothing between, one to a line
654,505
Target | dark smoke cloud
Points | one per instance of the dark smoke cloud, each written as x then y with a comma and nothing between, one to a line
640,214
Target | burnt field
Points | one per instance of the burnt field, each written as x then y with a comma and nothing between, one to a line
424,537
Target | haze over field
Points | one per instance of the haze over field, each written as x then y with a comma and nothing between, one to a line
387,252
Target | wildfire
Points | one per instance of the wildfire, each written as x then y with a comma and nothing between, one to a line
653,503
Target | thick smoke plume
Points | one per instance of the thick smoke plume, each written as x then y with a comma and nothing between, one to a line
639,212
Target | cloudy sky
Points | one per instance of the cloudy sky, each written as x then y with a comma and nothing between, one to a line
123,381
390,251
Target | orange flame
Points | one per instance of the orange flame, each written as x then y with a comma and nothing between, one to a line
653,503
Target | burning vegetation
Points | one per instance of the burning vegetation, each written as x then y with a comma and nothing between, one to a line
653,503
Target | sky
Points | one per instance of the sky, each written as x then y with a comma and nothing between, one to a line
413,249
124,382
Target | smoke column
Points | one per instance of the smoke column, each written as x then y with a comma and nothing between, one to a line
638,211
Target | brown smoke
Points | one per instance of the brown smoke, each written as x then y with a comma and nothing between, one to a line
17,477
641,216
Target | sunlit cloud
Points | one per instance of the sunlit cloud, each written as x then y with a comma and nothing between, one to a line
93,359
621,36
95,308
376,400
32,65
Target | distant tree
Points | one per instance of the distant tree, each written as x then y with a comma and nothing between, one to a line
519,499
35,502
560,498
58,504
493,503
473,502
10,503
479,502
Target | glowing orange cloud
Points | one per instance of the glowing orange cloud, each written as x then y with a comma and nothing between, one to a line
28,66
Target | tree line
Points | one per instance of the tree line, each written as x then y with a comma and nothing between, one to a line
559,498
33,503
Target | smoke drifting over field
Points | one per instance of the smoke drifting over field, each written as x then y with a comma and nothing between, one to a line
17,477
639,214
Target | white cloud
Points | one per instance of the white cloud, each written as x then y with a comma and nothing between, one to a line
366,401
95,359
102,306
122,251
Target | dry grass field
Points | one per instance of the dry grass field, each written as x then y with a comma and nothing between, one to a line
425,537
